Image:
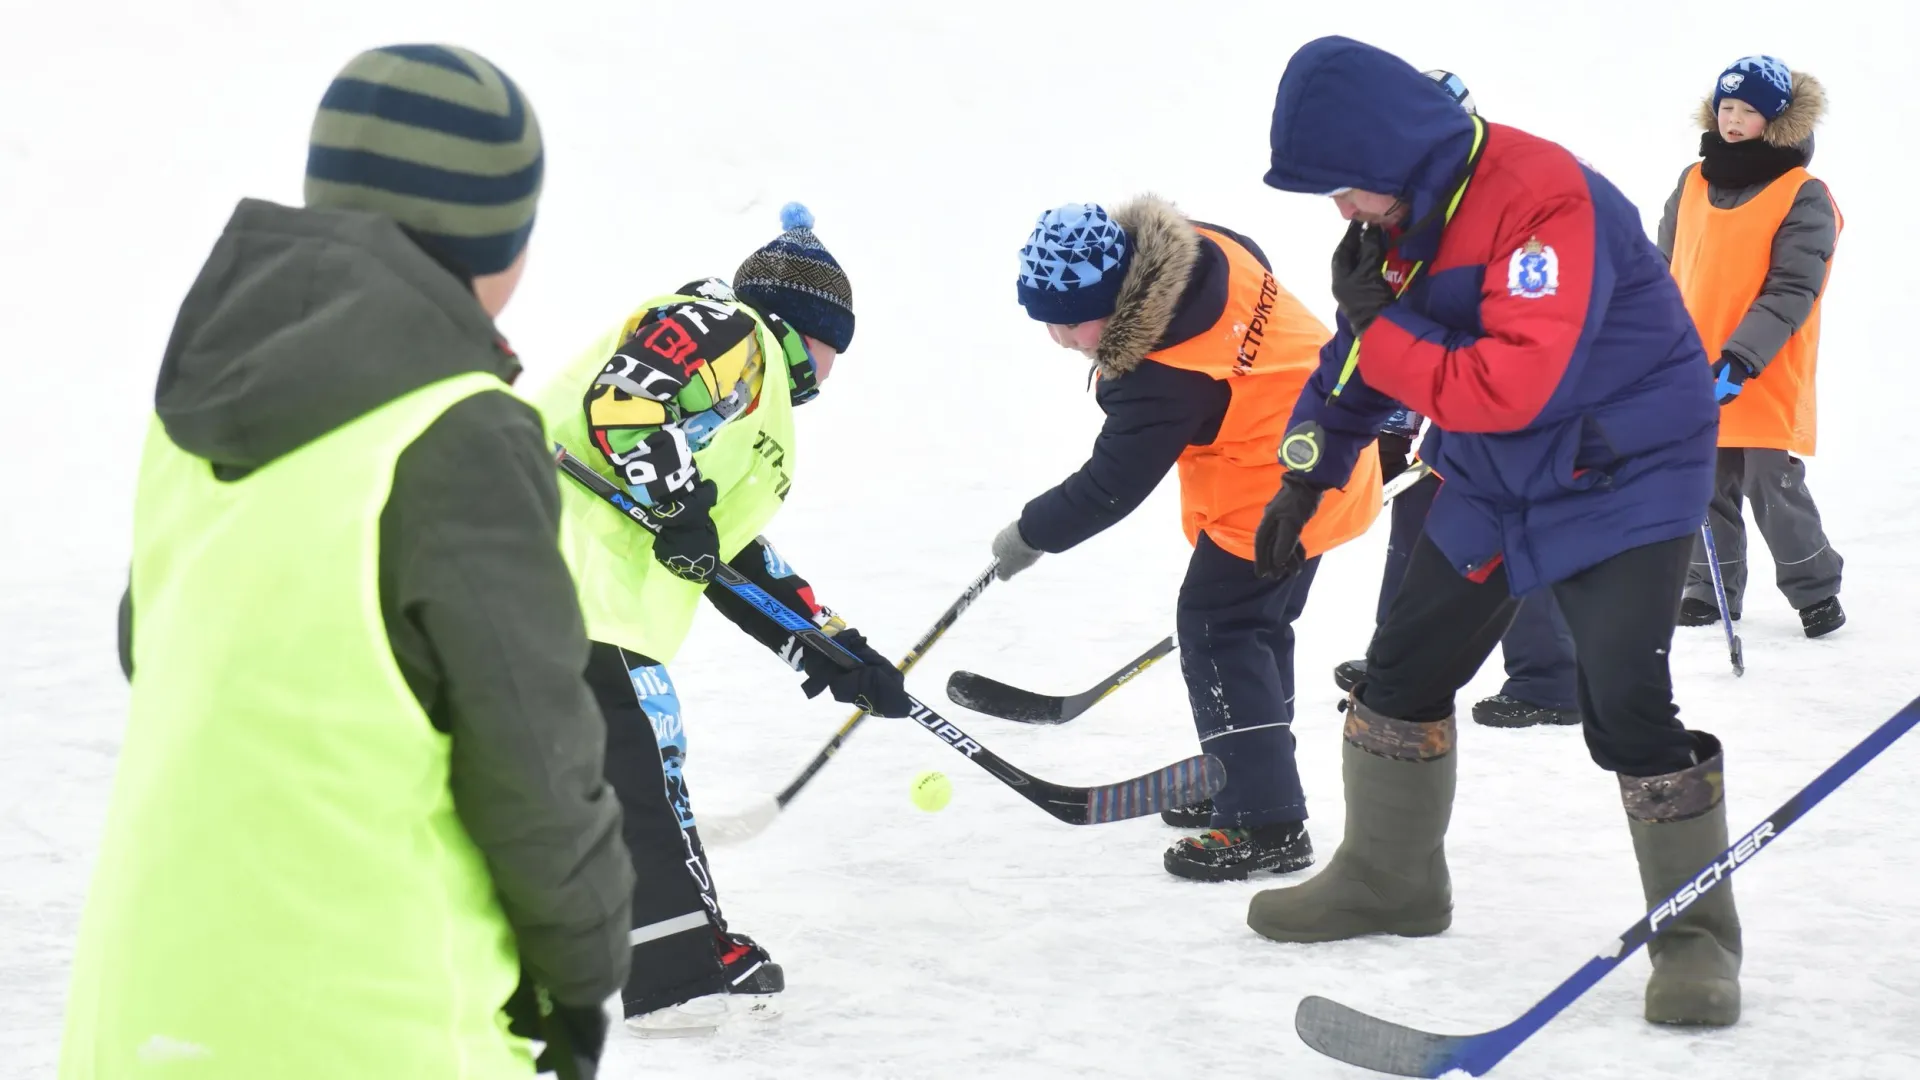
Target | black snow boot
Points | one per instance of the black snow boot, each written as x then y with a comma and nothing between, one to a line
1502,711
1197,816
1697,612
1349,674
749,969
1823,618
1238,854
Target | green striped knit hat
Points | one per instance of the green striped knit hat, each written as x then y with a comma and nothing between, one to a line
438,139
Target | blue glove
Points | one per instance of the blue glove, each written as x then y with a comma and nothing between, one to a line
1728,375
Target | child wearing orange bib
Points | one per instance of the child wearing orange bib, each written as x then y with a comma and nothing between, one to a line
1750,235
1199,355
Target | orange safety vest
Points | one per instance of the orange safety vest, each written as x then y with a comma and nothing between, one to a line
1264,346
1720,259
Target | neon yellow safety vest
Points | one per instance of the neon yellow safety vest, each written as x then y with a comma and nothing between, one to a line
284,889
628,598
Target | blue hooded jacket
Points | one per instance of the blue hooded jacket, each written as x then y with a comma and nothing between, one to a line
1538,329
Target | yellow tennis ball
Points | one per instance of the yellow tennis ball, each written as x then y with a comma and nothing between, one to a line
931,791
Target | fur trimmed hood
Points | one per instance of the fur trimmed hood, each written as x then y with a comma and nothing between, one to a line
1792,127
1165,250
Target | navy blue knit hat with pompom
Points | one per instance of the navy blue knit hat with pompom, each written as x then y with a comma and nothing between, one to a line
796,278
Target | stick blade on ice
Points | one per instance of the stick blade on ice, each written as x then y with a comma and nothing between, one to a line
1352,1036
719,830
994,698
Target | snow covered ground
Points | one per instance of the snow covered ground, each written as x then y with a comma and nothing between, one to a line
987,939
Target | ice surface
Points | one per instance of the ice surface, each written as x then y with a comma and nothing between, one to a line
987,940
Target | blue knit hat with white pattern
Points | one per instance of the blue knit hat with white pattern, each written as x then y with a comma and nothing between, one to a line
1764,82
1072,266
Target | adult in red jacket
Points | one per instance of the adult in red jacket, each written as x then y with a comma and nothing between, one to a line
1495,283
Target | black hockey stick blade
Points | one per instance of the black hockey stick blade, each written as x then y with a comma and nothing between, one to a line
1356,1038
995,698
1352,1036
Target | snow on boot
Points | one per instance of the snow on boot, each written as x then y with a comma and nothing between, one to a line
1349,674
700,1016
1389,875
1679,825
1697,612
1823,618
1197,816
1238,854
1510,712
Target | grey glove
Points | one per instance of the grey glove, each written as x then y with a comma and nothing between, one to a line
1013,551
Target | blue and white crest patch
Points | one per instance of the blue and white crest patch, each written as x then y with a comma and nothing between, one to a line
1533,271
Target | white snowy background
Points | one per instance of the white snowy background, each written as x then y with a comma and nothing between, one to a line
988,939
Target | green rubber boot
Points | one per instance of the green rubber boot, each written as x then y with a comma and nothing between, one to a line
1390,874
1679,824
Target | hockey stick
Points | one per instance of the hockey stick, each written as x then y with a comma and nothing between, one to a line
1180,784
751,822
1720,595
1415,472
1371,1043
997,699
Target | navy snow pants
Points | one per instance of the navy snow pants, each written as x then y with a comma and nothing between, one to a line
1236,651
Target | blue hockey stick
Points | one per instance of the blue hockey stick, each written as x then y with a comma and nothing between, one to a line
1181,784
1720,595
1371,1043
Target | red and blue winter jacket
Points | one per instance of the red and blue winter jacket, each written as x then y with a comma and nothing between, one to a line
1542,335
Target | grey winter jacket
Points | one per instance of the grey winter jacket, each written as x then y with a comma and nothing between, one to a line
303,320
1802,247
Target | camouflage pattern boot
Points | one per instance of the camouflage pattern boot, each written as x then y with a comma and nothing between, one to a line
1390,874
1679,825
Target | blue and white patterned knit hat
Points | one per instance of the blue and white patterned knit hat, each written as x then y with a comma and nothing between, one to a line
1763,82
1072,265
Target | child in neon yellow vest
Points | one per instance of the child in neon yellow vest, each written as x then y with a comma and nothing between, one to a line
688,404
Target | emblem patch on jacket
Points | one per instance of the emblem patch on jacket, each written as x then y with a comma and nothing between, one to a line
1533,271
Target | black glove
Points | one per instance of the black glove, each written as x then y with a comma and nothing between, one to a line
1358,288
1396,453
575,1036
1730,373
688,543
876,685
1277,553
